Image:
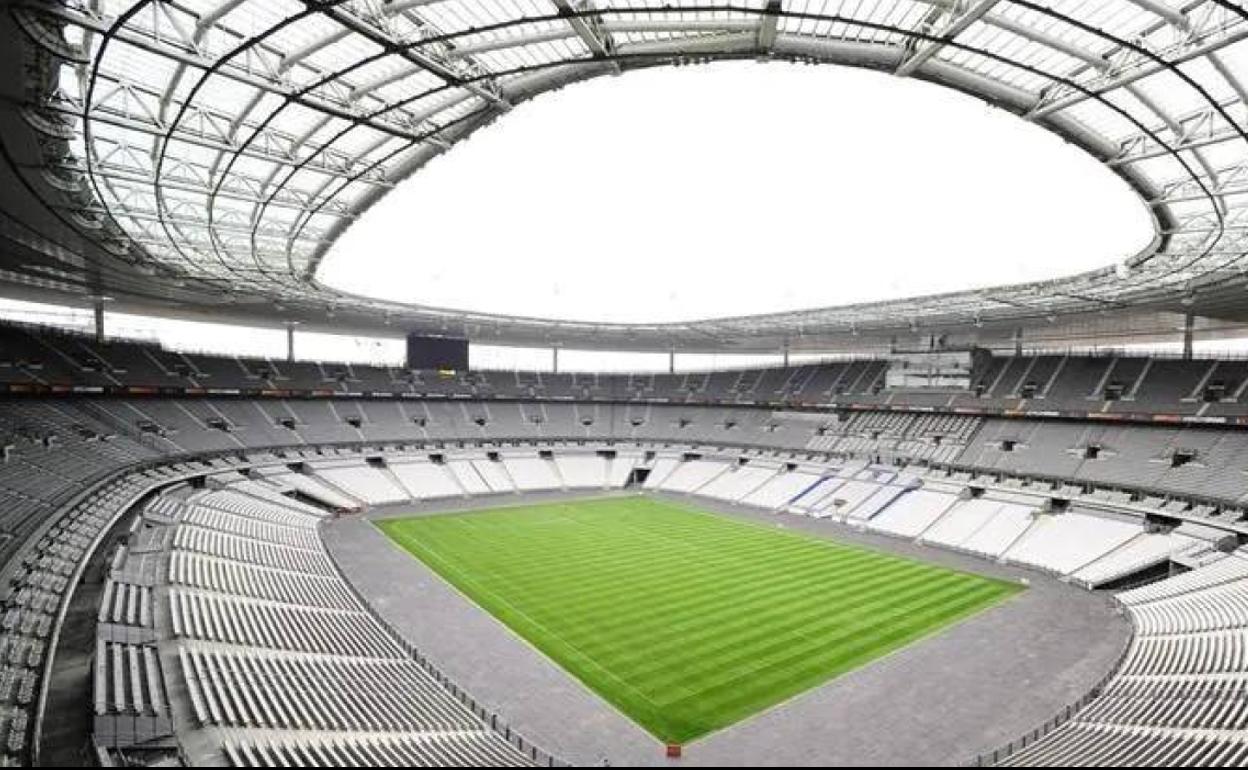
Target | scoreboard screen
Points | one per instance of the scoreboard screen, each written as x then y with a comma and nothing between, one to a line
446,353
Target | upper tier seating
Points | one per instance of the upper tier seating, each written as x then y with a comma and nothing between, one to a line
1113,384
890,434
1201,462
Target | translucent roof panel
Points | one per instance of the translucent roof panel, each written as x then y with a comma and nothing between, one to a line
230,142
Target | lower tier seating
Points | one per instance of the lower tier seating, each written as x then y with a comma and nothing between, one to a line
280,662
1180,697
431,750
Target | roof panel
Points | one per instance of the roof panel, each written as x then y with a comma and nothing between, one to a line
307,112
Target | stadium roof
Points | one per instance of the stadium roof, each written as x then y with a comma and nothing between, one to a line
204,154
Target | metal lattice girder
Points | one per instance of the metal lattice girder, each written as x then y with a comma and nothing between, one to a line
193,179
942,29
204,130
236,139
588,28
431,56
128,209
1120,74
260,70
1194,130
1232,180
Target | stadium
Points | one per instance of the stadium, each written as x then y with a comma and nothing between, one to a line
996,521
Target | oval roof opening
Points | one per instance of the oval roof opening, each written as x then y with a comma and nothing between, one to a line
737,189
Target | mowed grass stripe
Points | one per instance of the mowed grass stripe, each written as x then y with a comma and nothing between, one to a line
607,561
687,621
724,662
735,699
829,634
733,621
597,593
708,587
591,588
770,627
638,654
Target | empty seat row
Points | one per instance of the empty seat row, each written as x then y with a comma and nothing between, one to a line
473,749
128,680
252,623
310,692
227,545
1180,697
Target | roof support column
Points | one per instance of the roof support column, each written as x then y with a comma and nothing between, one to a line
1189,332
99,320
671,361
768,25
290,341
554,359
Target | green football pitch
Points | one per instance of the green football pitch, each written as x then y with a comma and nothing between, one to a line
686,621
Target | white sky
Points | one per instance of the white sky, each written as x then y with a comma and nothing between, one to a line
737,188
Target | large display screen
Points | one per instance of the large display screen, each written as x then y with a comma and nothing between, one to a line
445,353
